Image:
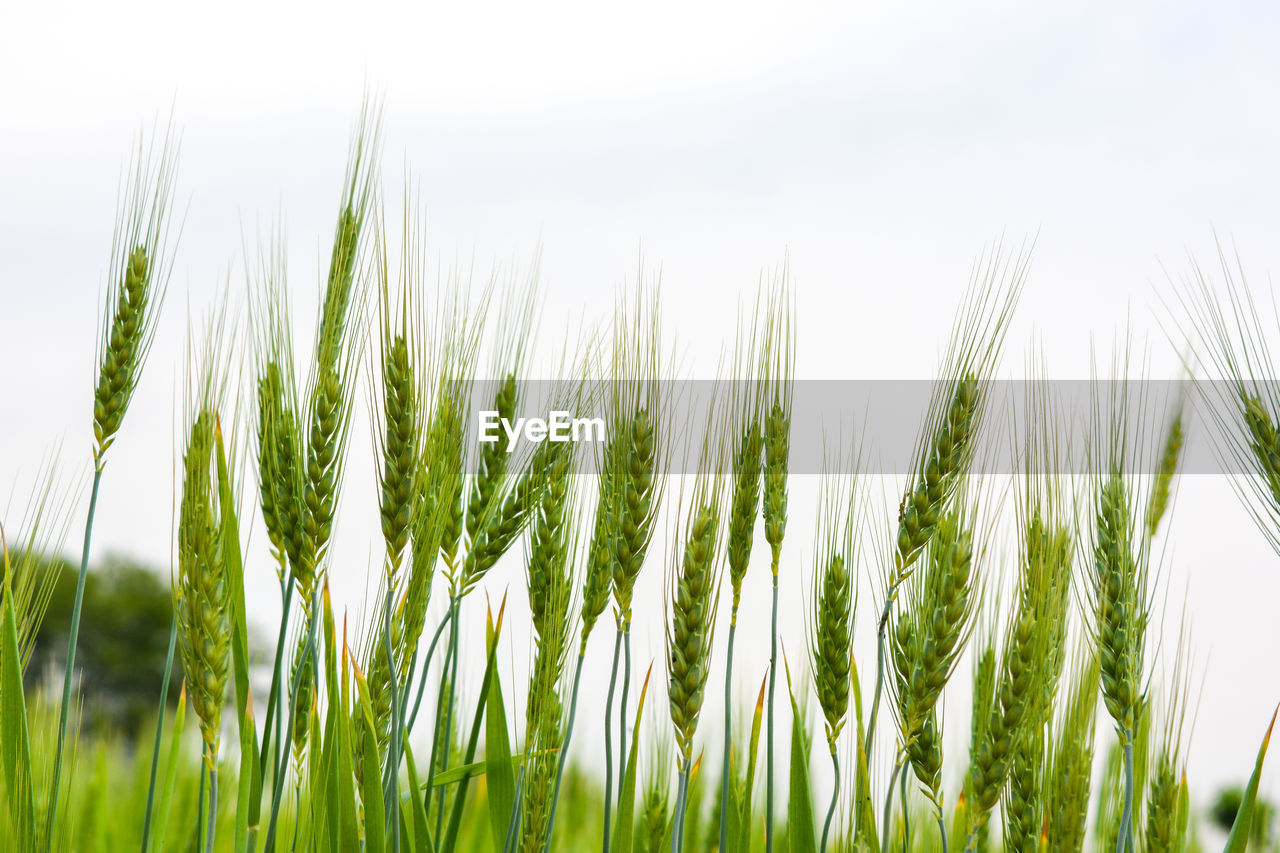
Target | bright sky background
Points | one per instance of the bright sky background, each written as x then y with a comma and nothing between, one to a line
879,148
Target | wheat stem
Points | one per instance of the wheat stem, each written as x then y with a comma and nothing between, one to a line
200,797
213,806
269,758
608,740
426,666
564,749
444,705
682,799
622,706
888,806
906,814
1125,837
155,750
393,758
773,679
72,637
726,770
882,628
296,680
835,798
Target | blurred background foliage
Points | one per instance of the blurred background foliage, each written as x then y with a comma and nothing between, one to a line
124,638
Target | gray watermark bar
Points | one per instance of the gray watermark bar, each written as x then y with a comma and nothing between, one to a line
873,427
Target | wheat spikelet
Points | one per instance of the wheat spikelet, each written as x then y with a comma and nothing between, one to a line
635,508
1024,797
512,514
985,671
492,463
654,813
747,466
927,641
1164,770
202,607
1070,770
277,464
1119,604
1162,484
303,674
597,584
691,620
1028,664
831,651
951,448
400,453
1243,399
139,268
329,399
550,584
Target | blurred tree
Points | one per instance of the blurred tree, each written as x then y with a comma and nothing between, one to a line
1227,805
124,635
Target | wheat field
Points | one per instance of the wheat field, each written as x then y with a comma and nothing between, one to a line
1036,599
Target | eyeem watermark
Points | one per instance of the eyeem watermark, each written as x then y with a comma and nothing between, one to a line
561,426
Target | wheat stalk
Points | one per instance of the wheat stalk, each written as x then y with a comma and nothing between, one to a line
140,264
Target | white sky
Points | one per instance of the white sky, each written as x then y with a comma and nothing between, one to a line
879,148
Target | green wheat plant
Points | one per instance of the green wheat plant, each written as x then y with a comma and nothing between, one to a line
414,722
831,618
631,481
747,404
694,582
1119,591
945,448
778,375
141,259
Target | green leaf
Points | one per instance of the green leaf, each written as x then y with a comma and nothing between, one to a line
624,830
740,819
865,824
15,742
374,806
449,841
1238,841
165,795
456,774
233,564
319,772
249,795
801,836
498,765
345,745
421,830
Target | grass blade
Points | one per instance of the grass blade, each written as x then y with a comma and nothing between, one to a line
624,832
499,768
159,739
801,833
740,821
165,796
1238,840
449,840
13,725
421,829
374,807
249,797
865,822
250,789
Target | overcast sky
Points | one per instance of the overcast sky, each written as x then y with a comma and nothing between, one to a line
878,149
